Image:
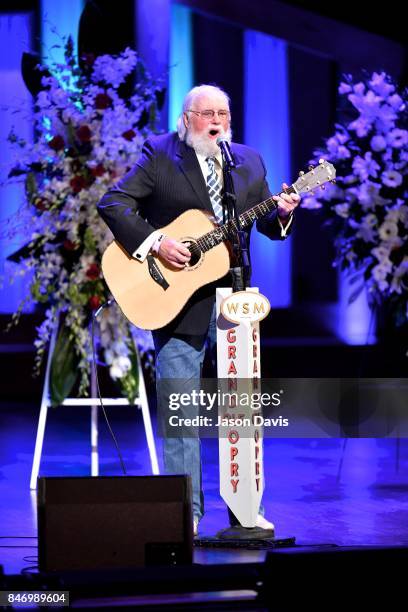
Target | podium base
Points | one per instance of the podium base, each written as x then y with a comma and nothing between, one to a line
241,537
237,532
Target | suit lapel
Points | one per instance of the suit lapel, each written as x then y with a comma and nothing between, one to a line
189,165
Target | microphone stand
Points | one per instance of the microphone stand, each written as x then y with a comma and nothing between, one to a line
238,236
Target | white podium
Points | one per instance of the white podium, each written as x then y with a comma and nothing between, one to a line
239,371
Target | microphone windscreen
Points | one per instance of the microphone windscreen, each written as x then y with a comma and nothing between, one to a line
221,139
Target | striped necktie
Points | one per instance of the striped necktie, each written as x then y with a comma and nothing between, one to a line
214,189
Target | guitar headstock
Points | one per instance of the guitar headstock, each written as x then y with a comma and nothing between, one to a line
316,177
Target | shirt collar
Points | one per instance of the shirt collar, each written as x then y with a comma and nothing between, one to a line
202,158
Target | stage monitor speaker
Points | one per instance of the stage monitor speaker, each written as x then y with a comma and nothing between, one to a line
114,522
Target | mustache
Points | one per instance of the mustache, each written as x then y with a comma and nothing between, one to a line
227,134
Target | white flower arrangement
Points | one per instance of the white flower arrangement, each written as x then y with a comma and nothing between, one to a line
89,134
368,205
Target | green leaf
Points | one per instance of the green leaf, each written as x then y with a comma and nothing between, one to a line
38,296
77,295
143,120
89,240
34,247
64,367
160,97
17,171
31,186
71,136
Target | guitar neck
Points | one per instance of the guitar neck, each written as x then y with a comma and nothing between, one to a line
223,232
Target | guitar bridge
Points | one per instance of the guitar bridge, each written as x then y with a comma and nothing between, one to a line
155,273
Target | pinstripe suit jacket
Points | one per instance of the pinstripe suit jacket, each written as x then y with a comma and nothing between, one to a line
165,182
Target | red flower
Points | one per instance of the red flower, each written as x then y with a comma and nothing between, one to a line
102,101
99,170
129,134
93,271
57,143
69,245
41,204
94,302
84,133
77,183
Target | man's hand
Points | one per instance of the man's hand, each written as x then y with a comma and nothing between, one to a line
175,253
286,203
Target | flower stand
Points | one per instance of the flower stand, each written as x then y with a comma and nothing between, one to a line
93,402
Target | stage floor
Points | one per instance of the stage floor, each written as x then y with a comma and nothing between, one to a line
322,491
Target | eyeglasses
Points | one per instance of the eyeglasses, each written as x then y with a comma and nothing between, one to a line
209,114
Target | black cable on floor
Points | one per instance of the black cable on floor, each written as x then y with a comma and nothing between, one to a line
94,317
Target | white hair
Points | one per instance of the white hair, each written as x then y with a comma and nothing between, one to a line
189,100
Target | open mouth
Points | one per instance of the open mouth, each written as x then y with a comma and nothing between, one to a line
213,133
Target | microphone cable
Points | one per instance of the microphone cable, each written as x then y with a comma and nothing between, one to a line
95,314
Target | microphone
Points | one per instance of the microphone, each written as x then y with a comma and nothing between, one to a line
224,145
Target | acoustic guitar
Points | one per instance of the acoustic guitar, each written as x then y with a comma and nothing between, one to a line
152,293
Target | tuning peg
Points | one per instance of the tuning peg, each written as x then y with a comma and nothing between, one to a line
311,167
333,181
321,160
311,193
322,187
301,173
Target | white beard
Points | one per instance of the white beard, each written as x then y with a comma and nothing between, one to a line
203,146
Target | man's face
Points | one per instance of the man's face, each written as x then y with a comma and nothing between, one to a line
202,132
212,127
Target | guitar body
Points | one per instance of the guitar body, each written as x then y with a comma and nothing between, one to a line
149,304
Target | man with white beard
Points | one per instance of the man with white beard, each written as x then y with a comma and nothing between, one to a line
176,172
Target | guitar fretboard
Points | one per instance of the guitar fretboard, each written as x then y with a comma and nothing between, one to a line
224,232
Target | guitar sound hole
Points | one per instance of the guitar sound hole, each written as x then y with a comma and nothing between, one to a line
195,252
